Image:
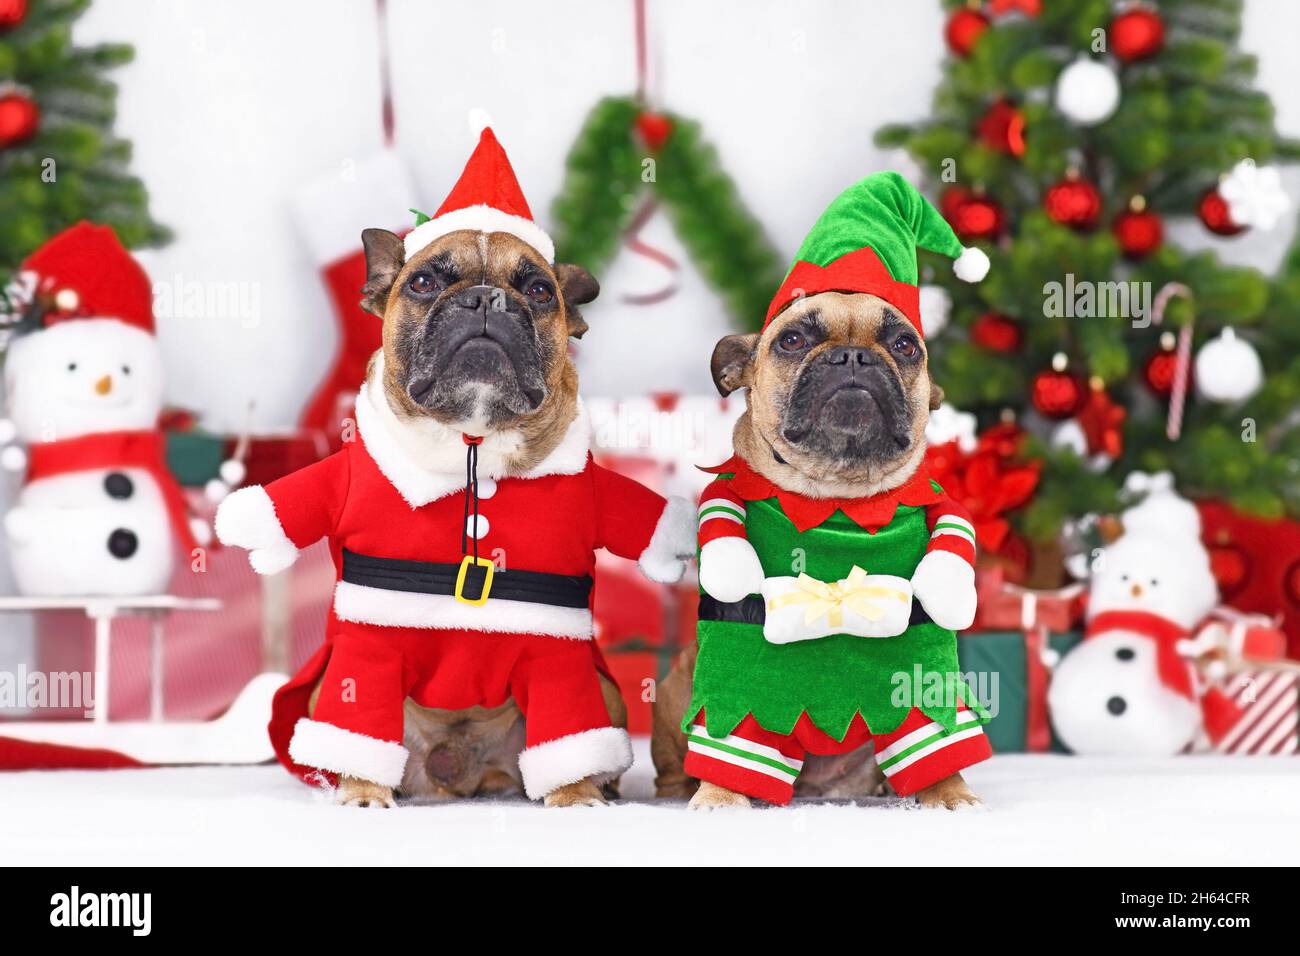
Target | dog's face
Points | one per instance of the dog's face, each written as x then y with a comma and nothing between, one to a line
839,393
476,326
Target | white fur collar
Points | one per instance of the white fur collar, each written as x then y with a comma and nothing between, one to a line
425,460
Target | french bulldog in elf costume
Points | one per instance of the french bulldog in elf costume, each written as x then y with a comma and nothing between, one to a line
464,516
830,563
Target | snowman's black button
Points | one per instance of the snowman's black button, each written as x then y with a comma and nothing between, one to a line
122,543
1125,654
1117,705
118,485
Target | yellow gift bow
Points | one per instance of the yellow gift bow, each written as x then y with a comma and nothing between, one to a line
831,599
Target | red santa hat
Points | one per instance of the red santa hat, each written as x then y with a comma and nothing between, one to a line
486,198
86,273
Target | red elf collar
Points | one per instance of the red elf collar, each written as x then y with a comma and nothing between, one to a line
871,513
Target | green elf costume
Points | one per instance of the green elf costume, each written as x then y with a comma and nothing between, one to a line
858,643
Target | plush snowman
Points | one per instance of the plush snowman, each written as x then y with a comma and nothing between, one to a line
1129,687
98,512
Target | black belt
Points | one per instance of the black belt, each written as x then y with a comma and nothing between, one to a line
429,577
753,610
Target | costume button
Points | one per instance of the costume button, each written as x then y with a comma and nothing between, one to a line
476,526
486,487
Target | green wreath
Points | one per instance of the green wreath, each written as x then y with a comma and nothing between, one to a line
604,181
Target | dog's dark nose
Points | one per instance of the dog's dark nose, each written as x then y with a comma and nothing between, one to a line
473,298
844,355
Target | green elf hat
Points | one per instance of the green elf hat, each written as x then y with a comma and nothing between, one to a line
866,241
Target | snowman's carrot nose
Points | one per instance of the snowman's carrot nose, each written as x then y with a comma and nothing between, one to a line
104,385
1136,590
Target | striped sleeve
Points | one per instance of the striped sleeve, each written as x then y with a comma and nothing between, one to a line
951,530
722,513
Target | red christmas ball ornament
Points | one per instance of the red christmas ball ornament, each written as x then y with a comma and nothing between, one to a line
1055,392
963,29
1138,230
1213,211
655,128
19,118
1161,368
1136,34
1002,128
12,13
1073,202
1230,567
1030,8
975,216
997,333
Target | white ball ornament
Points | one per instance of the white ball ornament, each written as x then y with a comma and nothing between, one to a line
1228,369
13,458
1087,92
936,305
233,472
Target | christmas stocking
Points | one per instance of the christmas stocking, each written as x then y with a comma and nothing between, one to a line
331,213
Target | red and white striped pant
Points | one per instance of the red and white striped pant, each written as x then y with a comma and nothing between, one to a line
762,764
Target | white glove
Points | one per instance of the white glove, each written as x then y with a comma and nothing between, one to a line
730,569
247,519
945,586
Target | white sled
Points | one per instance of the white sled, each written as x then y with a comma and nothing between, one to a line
238,736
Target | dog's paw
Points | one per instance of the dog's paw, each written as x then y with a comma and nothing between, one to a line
730,569
945,586
712,797
584,793
950,793
355,792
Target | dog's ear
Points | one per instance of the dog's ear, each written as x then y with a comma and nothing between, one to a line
733,362
936,395
579,287
385,256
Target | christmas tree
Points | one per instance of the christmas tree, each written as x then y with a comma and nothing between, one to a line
59,160
1065,135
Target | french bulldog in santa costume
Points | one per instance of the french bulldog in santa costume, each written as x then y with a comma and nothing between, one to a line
465,515
831,565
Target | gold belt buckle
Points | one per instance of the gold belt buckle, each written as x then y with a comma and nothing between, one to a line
487,580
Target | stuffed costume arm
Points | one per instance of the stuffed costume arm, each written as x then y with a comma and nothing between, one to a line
944,581
729,566
291,513
636,523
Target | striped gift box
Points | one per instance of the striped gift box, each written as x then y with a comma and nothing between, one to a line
1270,723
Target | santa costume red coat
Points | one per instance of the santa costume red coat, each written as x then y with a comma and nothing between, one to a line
397,629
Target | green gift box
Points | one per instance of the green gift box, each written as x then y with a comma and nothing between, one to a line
1006,671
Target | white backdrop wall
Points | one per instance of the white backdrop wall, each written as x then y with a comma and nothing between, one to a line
232,105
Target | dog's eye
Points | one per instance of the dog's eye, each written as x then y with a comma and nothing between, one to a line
791,341
906,346
422,283
540,292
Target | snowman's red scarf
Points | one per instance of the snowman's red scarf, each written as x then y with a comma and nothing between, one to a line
134,449
1174,670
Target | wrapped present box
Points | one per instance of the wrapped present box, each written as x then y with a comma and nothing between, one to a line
1007,656
1269,701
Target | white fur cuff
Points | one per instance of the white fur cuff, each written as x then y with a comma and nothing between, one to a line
247,519
602,753
326,747
672,544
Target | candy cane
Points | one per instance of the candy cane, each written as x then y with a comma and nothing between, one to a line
1182,356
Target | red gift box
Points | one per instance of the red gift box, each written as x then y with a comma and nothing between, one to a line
1009,607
